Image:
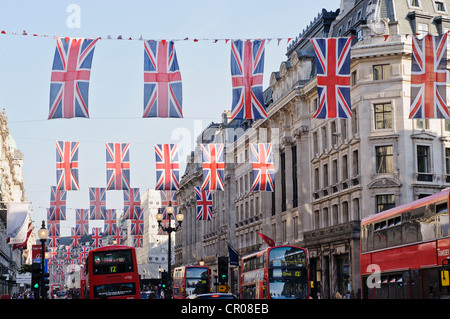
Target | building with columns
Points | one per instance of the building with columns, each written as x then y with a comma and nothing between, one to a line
330,173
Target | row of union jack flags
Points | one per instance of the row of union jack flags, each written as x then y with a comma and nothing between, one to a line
72,64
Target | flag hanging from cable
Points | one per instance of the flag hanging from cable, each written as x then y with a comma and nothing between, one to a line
247,69
204,204
67,165
131,202
71,71
263,167
333,77
167,167
429,77
97,202
213,167
58,203
162,80
117,166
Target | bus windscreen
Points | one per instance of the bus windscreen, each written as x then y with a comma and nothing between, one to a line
112,262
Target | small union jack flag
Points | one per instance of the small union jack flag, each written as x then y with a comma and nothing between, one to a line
247,69
429,77
110,222
53,253
162,80
117,166
131,201
83,253
97,237
53,233
118,235
263,167
97,202
213,166
67,165
68,253
69,87
333,77
82,221
75,236
168,197
204,204
167,166
58,202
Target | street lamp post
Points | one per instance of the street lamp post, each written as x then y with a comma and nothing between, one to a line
43,236
169,230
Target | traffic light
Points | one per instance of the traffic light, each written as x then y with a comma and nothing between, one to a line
164,279
36,273
222,264
45,285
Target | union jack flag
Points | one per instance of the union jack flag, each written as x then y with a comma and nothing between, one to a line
204,204
58,201
118,235
53,253
162,80
97,202
333,77
167,165
75,236
168,197
68,253
263,167
131,202
247,68
69,86
213,166
138,241
429,77
118,166
67,165
82,221
110,222
54,234
97,237
83,254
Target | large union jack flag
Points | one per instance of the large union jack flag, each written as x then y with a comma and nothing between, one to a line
333,77
131,202
54,233
118,166
162,80
67,165
58,202
82,221
429,77
167,167
247,68
263,167
97,202
204,204
69,87
213,166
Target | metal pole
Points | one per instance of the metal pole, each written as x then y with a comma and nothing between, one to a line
42,268
169,258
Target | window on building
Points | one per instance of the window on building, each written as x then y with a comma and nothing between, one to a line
283,181
334,134
384,158
324,138
335,212
294,176
424,163
345,217
381,72
343,130
353,78
273,204
325,175
385,202
344,167
355,163
422,30
383,116
315,141
295,224
316,179
415,3
325,217
447,163
423,124
316,219
440,6
335,172
354,122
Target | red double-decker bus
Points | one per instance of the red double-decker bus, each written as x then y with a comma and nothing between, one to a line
404,249
111,272
279,272
191,280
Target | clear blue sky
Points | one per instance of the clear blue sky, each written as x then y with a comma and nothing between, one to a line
116,85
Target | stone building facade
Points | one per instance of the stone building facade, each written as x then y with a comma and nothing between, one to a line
330,173
11,190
